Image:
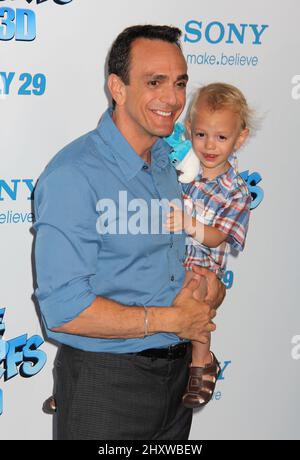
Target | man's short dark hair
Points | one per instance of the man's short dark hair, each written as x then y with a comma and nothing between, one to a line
119,56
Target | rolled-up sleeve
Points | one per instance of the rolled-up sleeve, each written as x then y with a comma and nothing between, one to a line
233,220
66,244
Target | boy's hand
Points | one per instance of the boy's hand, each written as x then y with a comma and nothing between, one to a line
178,220
175,219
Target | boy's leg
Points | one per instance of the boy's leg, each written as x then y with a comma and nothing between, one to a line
201,353
204,369
201,292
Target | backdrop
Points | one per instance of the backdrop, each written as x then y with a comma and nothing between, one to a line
52,59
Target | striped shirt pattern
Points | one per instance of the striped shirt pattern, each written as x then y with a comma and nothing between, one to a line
223,203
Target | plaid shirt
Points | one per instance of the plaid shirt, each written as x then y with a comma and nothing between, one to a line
223,203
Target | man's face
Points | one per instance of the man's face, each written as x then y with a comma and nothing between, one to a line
156,94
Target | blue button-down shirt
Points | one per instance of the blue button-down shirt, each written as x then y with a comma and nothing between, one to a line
81,253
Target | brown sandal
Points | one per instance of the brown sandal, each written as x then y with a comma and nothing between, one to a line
49,406
199,391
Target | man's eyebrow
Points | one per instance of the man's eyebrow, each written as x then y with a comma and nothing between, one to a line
161,77
155,76
183,77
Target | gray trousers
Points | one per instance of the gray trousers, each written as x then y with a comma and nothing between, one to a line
106,396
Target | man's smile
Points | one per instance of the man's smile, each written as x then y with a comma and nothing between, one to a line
162,113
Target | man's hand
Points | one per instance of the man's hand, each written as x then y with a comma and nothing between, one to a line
215,288
193,318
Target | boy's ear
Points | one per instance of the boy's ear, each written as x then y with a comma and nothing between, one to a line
242,138
116,88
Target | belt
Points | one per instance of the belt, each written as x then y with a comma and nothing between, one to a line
170,353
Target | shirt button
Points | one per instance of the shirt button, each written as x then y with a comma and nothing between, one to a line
145,167
172,278
171,245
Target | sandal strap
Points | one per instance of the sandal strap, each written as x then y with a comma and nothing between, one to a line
213,369
206,385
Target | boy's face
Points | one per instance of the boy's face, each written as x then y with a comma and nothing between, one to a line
215,135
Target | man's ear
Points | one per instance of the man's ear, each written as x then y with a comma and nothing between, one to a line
116,88
242,138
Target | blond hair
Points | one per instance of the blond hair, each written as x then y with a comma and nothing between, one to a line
219,96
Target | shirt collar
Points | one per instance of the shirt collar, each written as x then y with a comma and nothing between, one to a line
128,160
227,179
160,153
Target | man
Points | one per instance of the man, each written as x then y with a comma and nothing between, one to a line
103,286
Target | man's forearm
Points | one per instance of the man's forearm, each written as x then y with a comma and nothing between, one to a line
186,317
107,319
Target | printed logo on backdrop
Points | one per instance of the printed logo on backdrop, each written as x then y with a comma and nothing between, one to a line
252,180
19,356
229,38
14,192
24,84
217,395
20,23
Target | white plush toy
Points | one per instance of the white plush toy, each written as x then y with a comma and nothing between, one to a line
183,156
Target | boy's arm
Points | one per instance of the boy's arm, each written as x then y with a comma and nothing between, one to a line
205,234
233,220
